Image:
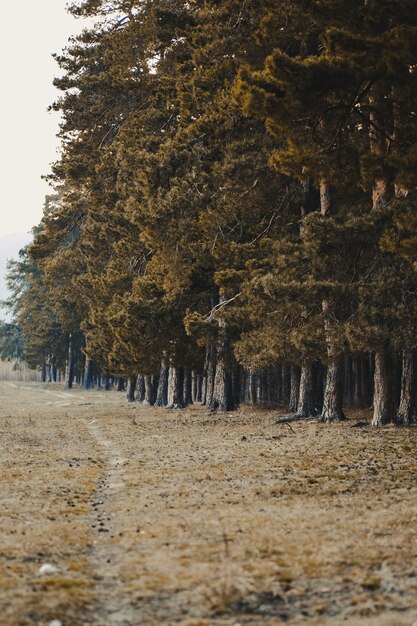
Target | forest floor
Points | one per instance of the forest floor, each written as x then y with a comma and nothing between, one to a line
139,516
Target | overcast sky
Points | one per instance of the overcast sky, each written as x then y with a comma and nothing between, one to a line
30,32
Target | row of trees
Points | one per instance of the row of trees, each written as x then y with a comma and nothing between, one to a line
235,211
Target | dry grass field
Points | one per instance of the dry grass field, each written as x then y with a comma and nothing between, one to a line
18,371
148,516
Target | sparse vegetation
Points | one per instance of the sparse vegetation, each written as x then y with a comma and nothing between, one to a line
187,520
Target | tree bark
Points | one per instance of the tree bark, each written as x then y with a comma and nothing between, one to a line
140,389
88,373
162,393
148,400
209,373
222,399
175,387
306,406
333,393
69,372
194,385
383,402
286,384
187,397
252,387
236,385
131,386
407,411
295,374
43,373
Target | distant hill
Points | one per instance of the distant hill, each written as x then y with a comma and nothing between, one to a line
9,249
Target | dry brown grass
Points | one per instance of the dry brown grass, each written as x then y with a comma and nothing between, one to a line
18,371
210,519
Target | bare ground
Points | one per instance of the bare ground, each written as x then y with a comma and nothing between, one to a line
194,519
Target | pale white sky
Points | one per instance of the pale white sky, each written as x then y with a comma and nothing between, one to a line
30,32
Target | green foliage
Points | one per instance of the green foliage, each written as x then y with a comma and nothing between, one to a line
12,345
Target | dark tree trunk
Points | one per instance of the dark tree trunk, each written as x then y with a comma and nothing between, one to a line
187,396
383,400
407,411
131,387
162,393
358,399
120,384
155,386
194,386
88,373
367,388
306,406
69,372
43,373
199,388
295,374
140,389
236,384
262,388
106,382
397,366
286,385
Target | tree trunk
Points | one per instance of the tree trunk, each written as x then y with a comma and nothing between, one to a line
209,372
407,411
120,384
286,384
162,393
236,384
148,400
306,406
252,387
333,392
43,374
197,387
367,389
175,382
194,385
383,402
295,374
131,387
187,387
69,373
140,389
358,400
106,382
222,399
88,373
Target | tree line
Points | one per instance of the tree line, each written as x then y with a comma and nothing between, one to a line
234,218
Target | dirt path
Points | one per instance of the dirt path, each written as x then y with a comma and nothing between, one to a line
114,606
193,519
